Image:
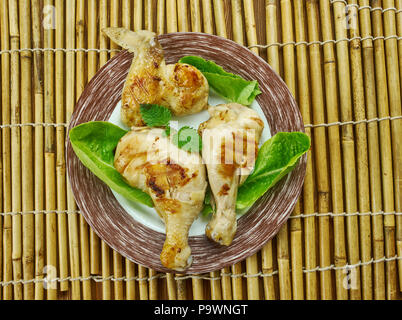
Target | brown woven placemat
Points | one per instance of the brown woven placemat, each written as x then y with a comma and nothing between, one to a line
342,61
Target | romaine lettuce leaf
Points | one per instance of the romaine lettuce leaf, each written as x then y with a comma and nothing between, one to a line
94,144
276,158
228,85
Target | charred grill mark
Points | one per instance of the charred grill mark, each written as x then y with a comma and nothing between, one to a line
158,190
224,190
177,175
179,169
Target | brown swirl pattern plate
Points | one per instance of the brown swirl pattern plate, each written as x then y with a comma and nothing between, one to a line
143,245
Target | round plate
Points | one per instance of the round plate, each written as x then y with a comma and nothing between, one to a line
143,245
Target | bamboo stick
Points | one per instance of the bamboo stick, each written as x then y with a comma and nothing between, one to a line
106,285
143,282
361,148
94,240
207,16
383,103
27,151
131,282
385,134
253,281
181,288
220,21
50,156
374,151
171,16
60,136
39,149
182,14
149,15
237,21
250,25
171,286
320,149
74,85
195,9
6,152
216,291
64,199
15,148
103,58
394,86
273,60
118,275
153,285
348,147
398,204
308,188
138,15
60,160
226,284
331,93
198,289
126,14
93,36
117,258
237,281
160,17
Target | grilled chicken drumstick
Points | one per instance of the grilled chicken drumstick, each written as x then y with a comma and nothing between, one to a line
180,87
230,145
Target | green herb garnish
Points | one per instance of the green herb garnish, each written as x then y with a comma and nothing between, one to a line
228,85
155,115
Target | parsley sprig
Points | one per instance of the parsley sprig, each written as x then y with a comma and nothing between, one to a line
155,115
186,138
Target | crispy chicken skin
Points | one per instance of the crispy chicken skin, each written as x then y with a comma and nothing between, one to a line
175,180
230,145
180,87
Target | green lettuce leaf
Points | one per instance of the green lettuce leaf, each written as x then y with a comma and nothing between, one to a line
228,85
277,157
94,143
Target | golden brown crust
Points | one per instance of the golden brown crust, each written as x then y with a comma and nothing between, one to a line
179,87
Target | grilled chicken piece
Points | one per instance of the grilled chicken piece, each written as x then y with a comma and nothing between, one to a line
230,145
180,87
174,178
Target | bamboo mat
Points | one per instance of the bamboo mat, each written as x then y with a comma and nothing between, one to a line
342,60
